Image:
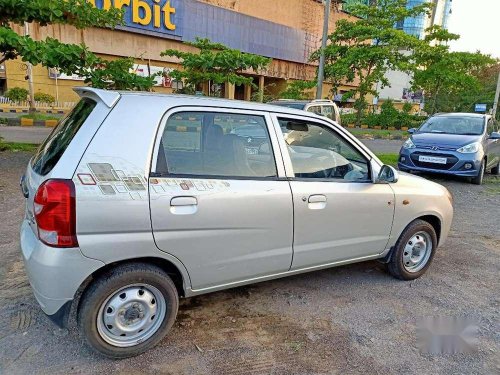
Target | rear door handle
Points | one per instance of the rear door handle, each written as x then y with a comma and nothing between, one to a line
183,201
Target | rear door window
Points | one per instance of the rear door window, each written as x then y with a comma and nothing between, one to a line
208,144
51,150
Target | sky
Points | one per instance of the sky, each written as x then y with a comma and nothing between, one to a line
478,24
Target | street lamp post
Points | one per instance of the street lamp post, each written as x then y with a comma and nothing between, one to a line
321,69
497,94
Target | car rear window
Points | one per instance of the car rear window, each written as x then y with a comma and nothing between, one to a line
51,150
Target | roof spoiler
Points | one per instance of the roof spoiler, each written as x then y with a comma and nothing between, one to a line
107,97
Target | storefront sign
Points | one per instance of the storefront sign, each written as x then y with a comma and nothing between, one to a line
158,16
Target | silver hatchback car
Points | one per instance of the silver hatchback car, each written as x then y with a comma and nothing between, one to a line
137,199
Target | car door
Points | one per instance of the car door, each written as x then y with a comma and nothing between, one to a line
339,213
492,145
217,201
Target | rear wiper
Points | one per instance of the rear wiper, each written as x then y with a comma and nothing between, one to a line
467,134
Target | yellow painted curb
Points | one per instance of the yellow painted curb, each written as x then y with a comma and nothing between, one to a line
392,128
364,126
50,123
27,122
377,127
350,125
404,128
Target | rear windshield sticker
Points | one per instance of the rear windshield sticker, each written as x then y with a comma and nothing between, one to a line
121,188
86,179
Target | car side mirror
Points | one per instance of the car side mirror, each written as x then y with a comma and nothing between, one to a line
412,130
494,135
387,175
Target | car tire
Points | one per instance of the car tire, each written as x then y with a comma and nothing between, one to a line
128,310
496,170
409,259
478,180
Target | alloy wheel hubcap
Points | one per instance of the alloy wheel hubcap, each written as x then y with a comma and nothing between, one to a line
417,252
131,315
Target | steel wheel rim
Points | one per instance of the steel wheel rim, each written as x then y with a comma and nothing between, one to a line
417,252
131,315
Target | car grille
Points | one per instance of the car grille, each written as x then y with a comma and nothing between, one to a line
437,148
450,160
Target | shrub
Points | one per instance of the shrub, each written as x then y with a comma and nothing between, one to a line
372,120
348,118
388,114
17,94
407,107
44,98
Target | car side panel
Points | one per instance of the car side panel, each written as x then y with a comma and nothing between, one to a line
111,181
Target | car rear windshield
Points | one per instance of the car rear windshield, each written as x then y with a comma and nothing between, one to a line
51,150
461,125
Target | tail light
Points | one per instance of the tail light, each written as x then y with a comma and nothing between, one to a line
54,208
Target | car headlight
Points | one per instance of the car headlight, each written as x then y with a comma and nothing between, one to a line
409,144
470,148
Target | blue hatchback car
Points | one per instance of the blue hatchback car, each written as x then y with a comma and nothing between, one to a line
461,144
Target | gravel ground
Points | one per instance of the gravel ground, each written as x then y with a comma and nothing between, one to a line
348,320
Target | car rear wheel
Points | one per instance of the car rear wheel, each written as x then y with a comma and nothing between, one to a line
128,310
478,180
414,251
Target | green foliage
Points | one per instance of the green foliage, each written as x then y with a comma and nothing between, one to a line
365,49
40,116
17,94
348,118
407,107
445,76
67,58
44,98
389,159
298,90
389,115
215,63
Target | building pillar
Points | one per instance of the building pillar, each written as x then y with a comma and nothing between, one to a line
248,92
228,90
261,89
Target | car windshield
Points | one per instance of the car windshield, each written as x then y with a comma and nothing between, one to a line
466,125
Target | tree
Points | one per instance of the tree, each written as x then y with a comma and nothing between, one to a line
448,78
364,50
67,58
215,63
298,90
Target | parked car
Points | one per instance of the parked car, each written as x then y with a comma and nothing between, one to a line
322,107
461,144
136,199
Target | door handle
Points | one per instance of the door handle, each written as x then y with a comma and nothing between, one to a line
183,201
317,198
317,202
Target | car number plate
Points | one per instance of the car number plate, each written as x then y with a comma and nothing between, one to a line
432,159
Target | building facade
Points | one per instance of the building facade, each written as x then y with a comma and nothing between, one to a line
417,25
288,31
400,82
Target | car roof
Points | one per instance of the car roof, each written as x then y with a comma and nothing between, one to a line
460,114
109,97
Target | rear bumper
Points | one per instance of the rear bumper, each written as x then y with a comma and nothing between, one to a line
54,274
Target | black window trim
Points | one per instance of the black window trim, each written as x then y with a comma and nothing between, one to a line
210,109
368,159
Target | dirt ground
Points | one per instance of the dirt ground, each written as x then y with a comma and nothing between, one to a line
348,320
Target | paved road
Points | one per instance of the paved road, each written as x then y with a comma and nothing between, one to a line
37,135
354,319
24,134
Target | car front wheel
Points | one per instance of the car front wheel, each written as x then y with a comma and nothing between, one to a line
478,180
414,251
128,310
